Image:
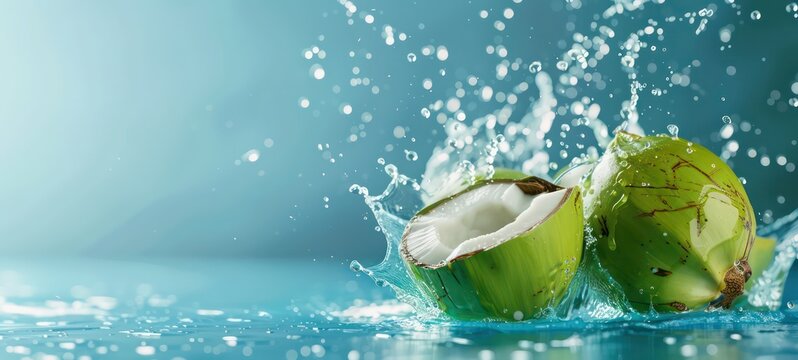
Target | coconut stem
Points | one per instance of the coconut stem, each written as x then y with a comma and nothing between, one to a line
734,284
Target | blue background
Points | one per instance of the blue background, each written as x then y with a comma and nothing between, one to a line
121,121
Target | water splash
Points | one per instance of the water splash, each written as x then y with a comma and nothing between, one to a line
512,133
768,290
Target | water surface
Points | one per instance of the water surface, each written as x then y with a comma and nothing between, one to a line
188,309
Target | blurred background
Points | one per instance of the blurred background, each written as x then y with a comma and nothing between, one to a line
235,128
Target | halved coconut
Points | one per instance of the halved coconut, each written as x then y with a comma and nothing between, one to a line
500,249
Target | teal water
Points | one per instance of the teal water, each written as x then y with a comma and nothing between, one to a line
190,309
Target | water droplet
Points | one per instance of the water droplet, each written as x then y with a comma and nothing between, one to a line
355,266
756,15
411,57
790,305
391,170
317,72
425,113
562,65
793,102
628,61
411,155
673,130
381,161
442,53
792,7
252,155
726,119
535,66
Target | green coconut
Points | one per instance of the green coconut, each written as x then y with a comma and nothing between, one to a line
672,222
501,249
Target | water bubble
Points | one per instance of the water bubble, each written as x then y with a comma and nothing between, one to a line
790,305
381,161
535,66
793,102
656,91
562,65
673,130
411,155
726,119
411,57
304,102
792,7
756,15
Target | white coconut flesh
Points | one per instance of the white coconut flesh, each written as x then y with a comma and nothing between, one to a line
476,220
573,176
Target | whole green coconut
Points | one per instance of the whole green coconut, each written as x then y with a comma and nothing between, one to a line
672,223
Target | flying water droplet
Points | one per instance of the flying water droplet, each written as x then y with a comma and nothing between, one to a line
628,61
756,15
356,266
411,57
562,65
425,113
411,155
726,119
673,130
535,66
317,72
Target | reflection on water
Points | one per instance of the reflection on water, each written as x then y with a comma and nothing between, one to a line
166,309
